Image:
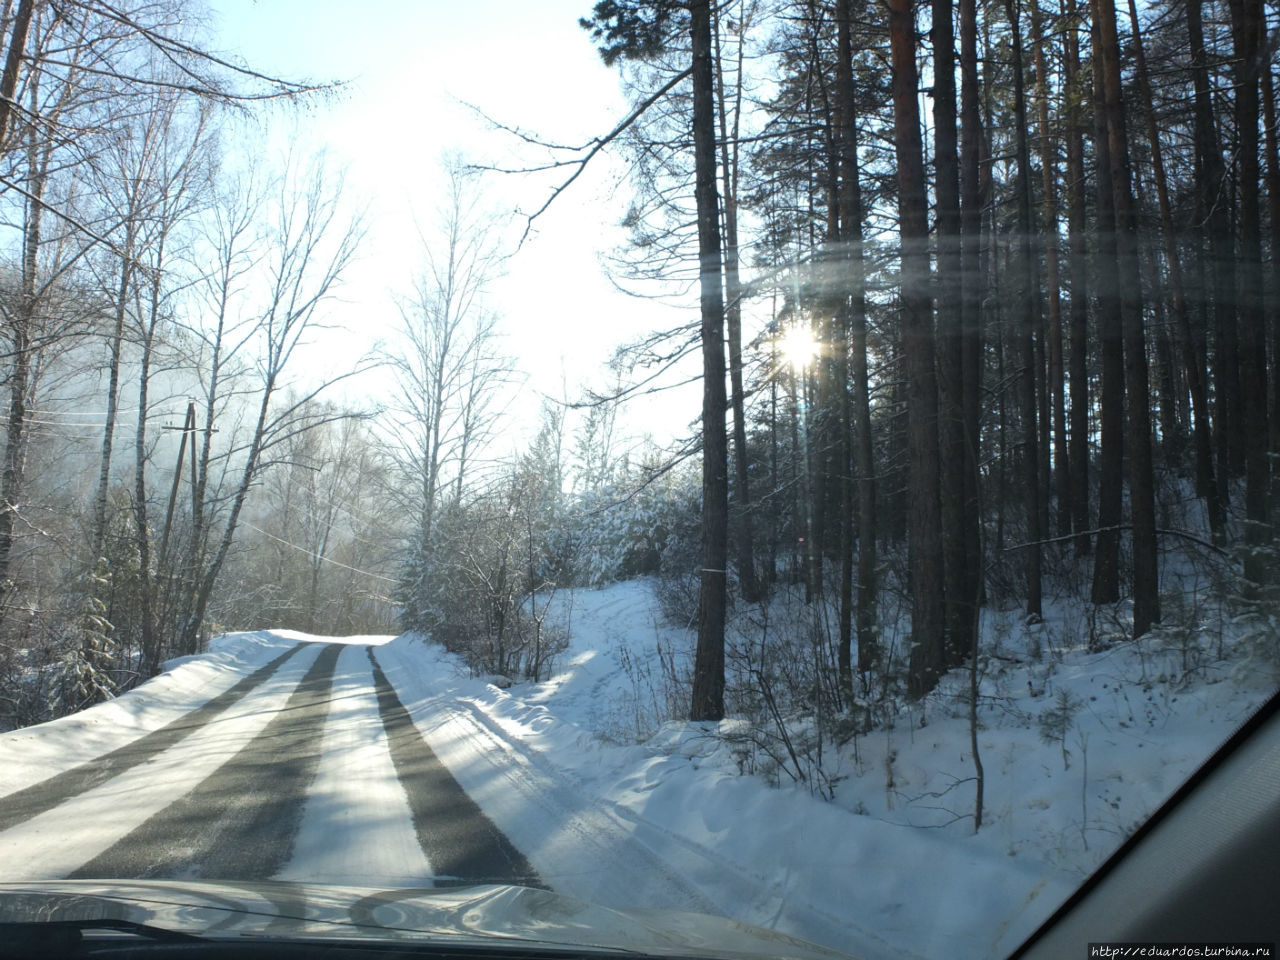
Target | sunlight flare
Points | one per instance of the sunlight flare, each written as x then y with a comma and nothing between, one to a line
797,347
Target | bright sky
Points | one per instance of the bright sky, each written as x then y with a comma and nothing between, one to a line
409,63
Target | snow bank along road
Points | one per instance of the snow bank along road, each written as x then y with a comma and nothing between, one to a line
311,757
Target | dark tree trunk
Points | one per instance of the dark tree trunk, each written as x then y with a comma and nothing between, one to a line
1078,322
951,420
1146,582
1106,564
14,476
748,582
1212,210
973,289
775,478
1028,320
23,349
857,397
826,433
1272,307
1192,356
708,670
13,63
1246,29
928,652
1055,374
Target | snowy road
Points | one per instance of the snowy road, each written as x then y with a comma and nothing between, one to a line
338,762
377,762
311,757
383,762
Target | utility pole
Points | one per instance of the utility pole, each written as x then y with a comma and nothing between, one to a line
188,429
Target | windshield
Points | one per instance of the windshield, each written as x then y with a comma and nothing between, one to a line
802,462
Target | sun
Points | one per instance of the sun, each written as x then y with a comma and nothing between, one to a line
797,347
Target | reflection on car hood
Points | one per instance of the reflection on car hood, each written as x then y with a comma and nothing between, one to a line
454,914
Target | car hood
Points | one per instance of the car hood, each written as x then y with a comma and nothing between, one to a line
486,914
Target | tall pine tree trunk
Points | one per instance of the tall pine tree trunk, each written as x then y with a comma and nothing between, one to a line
708,669
1056,374
1078,272
928,652
973,289
1146,585
1246,29
748,582
858,395
1027,320
1106,563
1272,307
1192,357
1212,210
950,318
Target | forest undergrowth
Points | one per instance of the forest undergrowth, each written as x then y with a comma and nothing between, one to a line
1081,729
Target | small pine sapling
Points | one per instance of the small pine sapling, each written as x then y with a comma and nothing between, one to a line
1058,721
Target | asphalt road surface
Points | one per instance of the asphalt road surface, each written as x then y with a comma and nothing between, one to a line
240,822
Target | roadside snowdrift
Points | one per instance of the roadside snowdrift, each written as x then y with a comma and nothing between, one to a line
1078,748
35,753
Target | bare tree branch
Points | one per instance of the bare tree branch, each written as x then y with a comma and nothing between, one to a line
589,150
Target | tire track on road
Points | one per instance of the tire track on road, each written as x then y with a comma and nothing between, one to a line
40,797
462,845
239,823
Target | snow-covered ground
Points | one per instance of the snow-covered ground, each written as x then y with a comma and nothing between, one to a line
891,867
613,805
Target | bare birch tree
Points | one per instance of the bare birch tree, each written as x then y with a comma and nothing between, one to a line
448,370
271,284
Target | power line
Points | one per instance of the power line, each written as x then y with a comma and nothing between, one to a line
316,556
58,423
